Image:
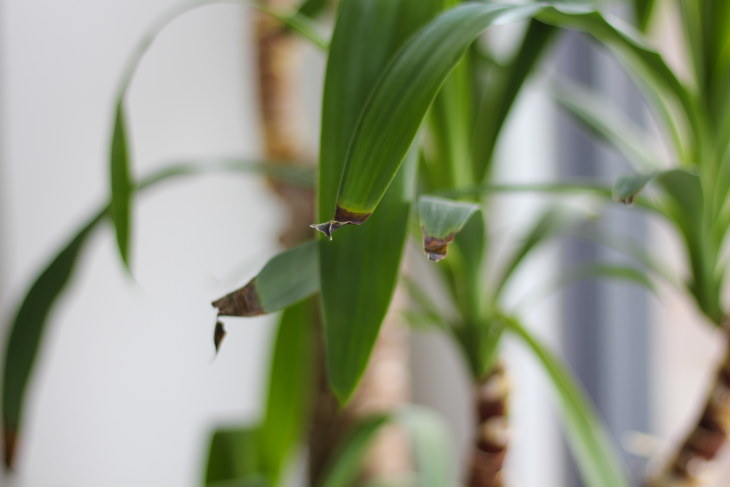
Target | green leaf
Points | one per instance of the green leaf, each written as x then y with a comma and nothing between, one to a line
234,458
427,436
26,331
441,220
359,270
497,101
381,140
121,186
603,120
551,222
286,279
290,389
643,10
627,187
587,438
121,183
30,320
684,203
343,471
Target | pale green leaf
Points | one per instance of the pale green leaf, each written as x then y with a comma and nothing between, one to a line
588,440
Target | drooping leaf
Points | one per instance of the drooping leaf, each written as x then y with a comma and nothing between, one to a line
359,269
627,187
31,318
381,140
588,440
120,170
290,389
27,330
441,220
603,120
234,458
286,279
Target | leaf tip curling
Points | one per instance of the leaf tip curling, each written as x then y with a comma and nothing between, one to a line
436,248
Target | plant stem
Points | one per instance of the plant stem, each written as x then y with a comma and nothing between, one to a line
490,446
706,438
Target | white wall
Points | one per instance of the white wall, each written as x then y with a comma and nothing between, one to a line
126,389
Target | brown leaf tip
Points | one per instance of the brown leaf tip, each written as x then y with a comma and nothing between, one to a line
219,333
627,200
436,248
241,302
342,217
11,441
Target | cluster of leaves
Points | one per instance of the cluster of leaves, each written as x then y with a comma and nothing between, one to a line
391,147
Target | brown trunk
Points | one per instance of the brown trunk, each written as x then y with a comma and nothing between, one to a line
385,383
490,445
705,439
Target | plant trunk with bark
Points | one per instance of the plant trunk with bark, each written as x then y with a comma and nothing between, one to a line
490,444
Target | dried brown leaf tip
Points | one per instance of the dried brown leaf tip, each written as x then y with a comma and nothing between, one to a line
219,333
11,441
436,248
342,217
241,302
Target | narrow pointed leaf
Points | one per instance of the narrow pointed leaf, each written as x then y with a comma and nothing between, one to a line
28,326
121,183
627,187
602,119
286,279
359,269
588,440
27,330
546,226
120,170
290,389
381,140
643,10
441,220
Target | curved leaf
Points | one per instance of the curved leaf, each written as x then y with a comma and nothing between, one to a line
382,139
28,325
121,179
588,440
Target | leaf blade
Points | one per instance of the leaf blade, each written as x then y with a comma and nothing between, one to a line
587,438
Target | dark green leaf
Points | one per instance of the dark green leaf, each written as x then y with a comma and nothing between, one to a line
28,326
643,10
27,330
381,140
286,279
290,389
234,458
359,269
121,183
588,440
